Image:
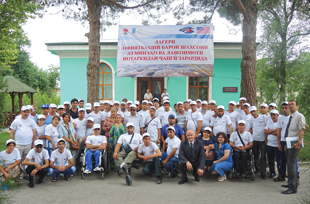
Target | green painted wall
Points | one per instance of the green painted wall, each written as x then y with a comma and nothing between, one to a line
176,88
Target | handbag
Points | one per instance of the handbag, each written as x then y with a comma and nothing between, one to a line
127,147
72,146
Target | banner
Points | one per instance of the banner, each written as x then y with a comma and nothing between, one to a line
165,50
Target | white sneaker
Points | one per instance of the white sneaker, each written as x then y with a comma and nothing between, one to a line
86,172
97,169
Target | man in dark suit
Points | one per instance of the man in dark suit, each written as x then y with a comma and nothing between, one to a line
192,157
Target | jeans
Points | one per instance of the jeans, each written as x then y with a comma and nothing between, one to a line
88,158
259,151
42,173
151,166
68,172
272,154
240,156
171,163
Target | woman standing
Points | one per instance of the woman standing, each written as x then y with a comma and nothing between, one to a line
116,131
223,152
208,141
109,122
41,130
51,134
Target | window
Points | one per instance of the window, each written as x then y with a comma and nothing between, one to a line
199,88
105,82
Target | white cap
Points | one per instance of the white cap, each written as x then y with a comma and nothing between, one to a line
150,103
10,141
264,105
144,101
253,108
81,100
96,104
274,111
130,124
220,107
38,142
88,105
273,105
132,106
204,103
129,102
232,102
88,108
123,103
166,101
180,103
189,100
30,107
53,105
96,126
61,140
246,104
165,98
170,128
111,103
91,119
146,135
155,99
137,103
104,102
153,107
237,104
207,129
242,99
193,103
198,100
81,109
241,122
25,108
284,103
66,103
60,107
41,116
116,102
212,101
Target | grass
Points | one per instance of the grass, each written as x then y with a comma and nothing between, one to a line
3,138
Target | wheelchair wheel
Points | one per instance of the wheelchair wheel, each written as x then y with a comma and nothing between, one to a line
82,175
105,163
173,173
128,180
252,176
102,174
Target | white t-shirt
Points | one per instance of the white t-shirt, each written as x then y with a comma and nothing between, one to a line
103,115
52,131
211,112
9,159
246,137
161,109
258,126
148,96
192,120
144,115
124,139
96,140
61,158
282,123
175,142
206,119
241,112
97,117
272,140
247,119
153,127
147,151
40,132
220,124
163,116
80,127
39,158
164,94
89,131
23,130
234,118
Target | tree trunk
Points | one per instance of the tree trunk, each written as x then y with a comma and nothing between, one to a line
94,12
283,69
248,63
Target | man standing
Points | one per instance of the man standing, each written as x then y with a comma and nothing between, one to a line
233,115
80,124
33,113
186,107
81,103
23,131
165,94
181,115
96,115
135,119
178,131
221,123
88,110
107,109
74,110
192,157
163,115
53,109
150,153
144,113
153,126
148,95
206,115
212,104
67,106
296,127
37,162
193,119
45,111
257,127
246,116
263,109
123,110
242,101
198,101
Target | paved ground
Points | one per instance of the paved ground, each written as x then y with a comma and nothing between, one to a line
113,189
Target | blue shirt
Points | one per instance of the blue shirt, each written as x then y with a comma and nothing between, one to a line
220,151
178,131
48,120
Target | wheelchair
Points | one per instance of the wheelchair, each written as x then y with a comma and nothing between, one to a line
249,169
104,163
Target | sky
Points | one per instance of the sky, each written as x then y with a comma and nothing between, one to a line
55,28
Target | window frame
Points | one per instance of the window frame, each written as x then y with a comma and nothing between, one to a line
198,86
102,72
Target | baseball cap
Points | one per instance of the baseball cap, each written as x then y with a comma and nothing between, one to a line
45,106
207,129
96,104
171,116
41,116
237,104
137,103
264,105
130,124
189,100
232,102
166,98
186,101
212,101
25,108
111,103
241,122
166,101
146,135
155,99
132,106
66,103
116,102
204,102
61,140
123,103
242,99
39,142
96,126
246,104
284,103
273,105
221,107
180,103
10,141
129,102
88,105
274,111
171,128
91,119
81,100
253,108
81,109
153,107
144,101
30,107
193,103
53,105
198,100
104,102
60,107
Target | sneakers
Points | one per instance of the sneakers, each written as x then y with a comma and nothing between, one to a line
120,170
97,169
86,172
159,180
30,185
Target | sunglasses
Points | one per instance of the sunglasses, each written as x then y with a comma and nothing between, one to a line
39,146
132,110
97,129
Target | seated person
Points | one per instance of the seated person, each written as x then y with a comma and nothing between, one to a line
130,142
37,161
10,160
208,141
224,160
149,152
241,141
170,158
59,161
94,144
192,157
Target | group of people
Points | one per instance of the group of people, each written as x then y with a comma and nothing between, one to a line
197,136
